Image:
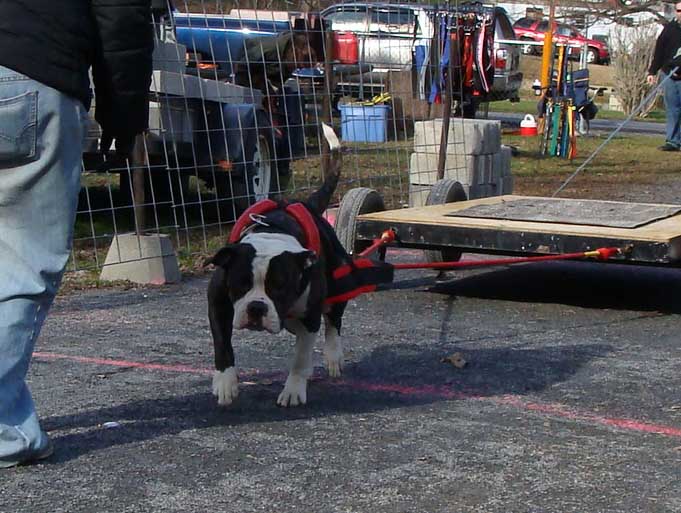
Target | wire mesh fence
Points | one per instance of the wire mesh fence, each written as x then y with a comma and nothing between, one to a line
238,97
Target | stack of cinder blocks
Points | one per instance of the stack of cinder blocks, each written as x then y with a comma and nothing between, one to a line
475,158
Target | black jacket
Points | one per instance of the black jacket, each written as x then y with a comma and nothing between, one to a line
57,41
668,42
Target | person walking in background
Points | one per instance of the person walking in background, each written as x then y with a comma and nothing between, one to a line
47,48
667,45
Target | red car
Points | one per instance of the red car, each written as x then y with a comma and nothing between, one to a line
532,29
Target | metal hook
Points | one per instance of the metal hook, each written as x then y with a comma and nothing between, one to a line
258,219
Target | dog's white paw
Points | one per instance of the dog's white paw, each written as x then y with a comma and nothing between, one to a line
295,391
226,386
333,361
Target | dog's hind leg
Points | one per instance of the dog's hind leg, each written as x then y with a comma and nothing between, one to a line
333,347
295,388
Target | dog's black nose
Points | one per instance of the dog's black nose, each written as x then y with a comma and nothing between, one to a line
256,309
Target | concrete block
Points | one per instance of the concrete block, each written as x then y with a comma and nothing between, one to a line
497,168
141,259
466,136
506,185
474,192
484,165
423,168
506,155
418,194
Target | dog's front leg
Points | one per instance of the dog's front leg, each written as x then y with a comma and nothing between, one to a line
225,379
333,348
295,388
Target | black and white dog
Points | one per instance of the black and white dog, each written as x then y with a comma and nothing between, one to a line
269,280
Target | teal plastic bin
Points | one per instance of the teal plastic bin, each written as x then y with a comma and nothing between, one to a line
364,123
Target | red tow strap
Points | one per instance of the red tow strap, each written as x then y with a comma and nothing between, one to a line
389,236
600,254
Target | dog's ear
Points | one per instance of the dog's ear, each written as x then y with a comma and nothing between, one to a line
223,256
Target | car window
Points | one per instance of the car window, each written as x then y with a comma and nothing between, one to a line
392,20
354,19
543,26
504,29
563,30
524,23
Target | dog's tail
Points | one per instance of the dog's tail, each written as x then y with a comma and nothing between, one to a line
331,167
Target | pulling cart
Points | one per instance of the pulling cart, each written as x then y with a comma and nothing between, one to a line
526,228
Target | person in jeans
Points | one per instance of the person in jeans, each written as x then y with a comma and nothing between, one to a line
667,45
47,48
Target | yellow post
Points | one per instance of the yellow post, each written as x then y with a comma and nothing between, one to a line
547,53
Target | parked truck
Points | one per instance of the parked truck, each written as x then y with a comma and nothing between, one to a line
232,137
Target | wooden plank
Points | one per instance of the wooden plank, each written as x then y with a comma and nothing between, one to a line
663,231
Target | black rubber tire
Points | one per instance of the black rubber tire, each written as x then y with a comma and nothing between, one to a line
260,177
236,193
445,191
355,202
528,49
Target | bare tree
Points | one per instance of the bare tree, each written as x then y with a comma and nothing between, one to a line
616,10
632,50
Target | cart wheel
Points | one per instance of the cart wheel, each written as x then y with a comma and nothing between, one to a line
445,191
355,202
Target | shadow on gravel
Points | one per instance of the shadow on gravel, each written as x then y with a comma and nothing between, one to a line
585,284
389,377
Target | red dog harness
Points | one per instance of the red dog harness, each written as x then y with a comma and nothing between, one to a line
297,211
350,278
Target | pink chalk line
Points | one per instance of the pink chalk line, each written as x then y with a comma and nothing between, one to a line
437,391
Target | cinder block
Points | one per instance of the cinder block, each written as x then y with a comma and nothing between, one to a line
506,155
466,136
506,185
423,168
483,169
141,259
418,194
496,168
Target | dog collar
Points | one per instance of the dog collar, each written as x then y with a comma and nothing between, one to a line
297,211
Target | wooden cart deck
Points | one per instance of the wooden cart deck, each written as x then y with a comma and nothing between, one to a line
439,226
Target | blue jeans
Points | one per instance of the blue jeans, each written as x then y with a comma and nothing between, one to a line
672,104
41,140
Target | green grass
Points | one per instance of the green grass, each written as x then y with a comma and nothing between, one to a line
625,162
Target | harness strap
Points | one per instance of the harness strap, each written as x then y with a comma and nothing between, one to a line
297,211
259,208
